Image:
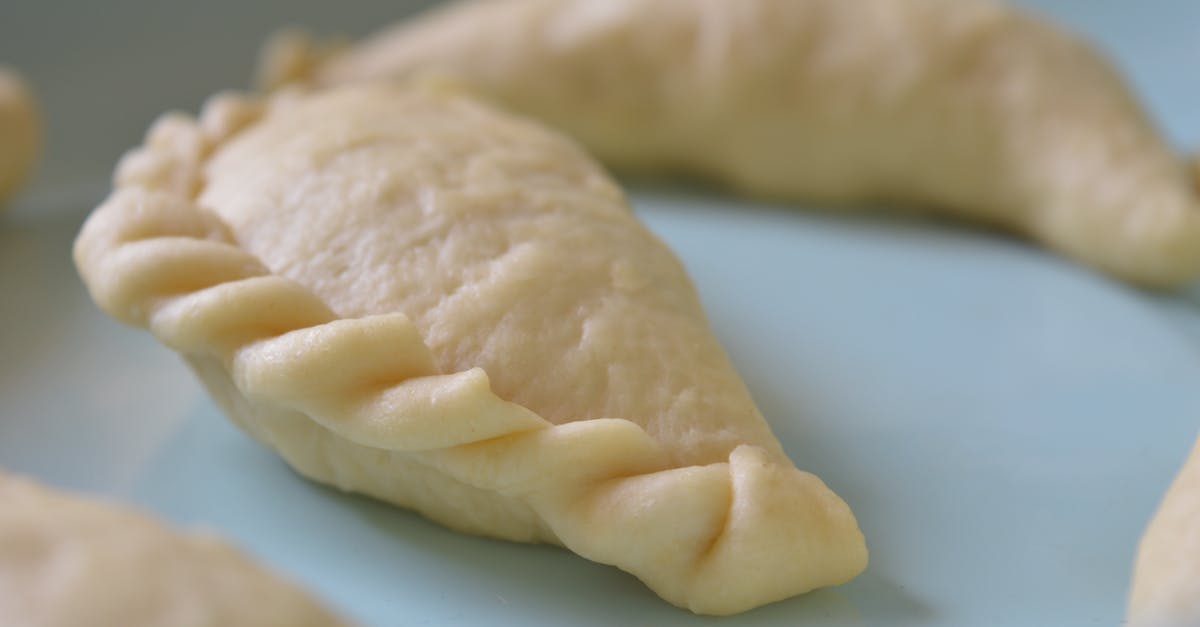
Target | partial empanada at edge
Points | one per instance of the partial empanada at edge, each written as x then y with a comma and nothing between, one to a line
67,561
1166,579
20,133
413,296
965,106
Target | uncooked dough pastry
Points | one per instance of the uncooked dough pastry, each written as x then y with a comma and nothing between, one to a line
966,106
68,562
1166,580
410,295
19,133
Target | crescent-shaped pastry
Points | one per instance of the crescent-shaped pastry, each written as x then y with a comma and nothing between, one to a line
66,561
965,106
1166,579
19,133
410,295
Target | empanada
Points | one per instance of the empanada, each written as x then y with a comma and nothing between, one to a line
70,562
410,295
966,106
19,133
1166,580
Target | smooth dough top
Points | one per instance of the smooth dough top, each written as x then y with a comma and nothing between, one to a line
20,134
469,223
67,562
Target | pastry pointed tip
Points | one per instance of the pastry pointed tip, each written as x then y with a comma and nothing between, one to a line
787,534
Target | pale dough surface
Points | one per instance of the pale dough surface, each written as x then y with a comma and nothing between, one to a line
20,135
66,561
414,296
1166,580
506,247
965,106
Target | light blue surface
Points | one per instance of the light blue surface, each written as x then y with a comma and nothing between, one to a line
1002,421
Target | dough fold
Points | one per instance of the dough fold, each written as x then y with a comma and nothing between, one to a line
66,561
410,295
967,107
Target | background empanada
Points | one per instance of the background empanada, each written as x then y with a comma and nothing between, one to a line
67,561
20,134
966,106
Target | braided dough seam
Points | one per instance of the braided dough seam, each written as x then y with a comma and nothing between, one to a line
599,485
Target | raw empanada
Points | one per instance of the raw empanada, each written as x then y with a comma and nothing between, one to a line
962,105
70,562
19,133
1166,580
410,295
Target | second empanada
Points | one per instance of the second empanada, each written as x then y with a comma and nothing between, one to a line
410,295
970,107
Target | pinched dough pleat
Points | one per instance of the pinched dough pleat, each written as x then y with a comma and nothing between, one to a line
20,133
68,562
965,106
413,296
1166,579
